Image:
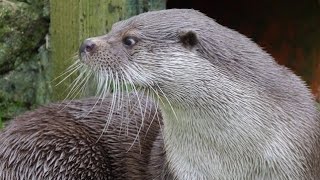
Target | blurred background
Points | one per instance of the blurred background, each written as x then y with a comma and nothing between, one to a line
39,38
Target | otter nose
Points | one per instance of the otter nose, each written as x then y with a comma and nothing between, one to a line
87,46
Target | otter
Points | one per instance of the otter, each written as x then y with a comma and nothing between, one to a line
70,141
229,110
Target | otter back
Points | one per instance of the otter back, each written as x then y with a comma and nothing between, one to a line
67,141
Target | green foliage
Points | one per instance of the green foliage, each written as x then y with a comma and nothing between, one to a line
10,108
21,31
1,123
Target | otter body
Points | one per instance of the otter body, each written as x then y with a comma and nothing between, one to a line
70,141
229,110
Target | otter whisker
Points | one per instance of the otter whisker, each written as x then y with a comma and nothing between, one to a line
79,87
84,86
100,98
125,92
69,72
74,86
137,137
121,101
117,91
110,81
104,79
146,106
147,99
156,101
100,83
156,114
75,83
112,107
146,93
164,95
139,104
78,78
146,82
76,62
121,90
102,90
105,89
135,91
129,109
114,100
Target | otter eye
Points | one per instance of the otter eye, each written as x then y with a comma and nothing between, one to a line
129,41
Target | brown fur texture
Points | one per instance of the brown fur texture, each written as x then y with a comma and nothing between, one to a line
64,141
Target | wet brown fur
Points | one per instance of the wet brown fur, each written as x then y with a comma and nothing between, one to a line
57,142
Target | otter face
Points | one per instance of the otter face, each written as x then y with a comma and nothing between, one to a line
147,50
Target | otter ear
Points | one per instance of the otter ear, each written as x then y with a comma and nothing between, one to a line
188,38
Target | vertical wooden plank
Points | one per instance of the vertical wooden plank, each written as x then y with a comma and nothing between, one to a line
97,16
64,31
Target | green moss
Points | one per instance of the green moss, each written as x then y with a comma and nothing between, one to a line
18,90
21,30
23,27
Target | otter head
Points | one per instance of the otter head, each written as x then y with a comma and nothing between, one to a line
180,53
153,49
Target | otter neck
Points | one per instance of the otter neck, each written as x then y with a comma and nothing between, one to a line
186,137
203,144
